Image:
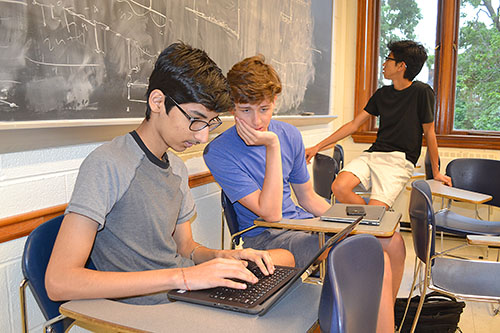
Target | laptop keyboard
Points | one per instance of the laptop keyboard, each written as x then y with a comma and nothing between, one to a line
254,293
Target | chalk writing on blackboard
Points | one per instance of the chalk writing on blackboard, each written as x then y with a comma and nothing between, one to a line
62,59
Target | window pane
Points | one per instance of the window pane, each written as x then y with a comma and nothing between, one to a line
408,19
477,101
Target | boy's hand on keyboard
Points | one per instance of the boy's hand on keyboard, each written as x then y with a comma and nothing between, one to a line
217,272
261,258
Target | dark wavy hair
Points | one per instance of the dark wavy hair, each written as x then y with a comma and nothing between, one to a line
412,53
188,75
253,81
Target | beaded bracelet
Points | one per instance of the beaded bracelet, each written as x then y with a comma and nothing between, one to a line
184,278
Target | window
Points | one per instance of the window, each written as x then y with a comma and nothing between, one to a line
463,43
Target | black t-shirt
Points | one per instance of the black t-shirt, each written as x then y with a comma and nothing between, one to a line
402,113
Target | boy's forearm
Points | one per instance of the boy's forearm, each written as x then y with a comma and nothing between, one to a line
271,196
343,132
81,283
432,147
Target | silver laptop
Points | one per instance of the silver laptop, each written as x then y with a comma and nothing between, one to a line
372,215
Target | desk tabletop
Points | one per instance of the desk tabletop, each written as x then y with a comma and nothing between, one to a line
441,190
295,312
487,240
386,228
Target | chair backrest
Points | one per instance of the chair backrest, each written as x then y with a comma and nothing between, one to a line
421,216
37,251
478,175
338,156
229,214
36,255
351,291
325,169
428,165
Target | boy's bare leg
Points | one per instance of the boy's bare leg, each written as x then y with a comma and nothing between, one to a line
395,248
385,321
342,188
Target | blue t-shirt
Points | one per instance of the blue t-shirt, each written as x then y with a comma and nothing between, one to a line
239,169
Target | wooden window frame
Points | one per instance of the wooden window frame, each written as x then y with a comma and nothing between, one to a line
445,76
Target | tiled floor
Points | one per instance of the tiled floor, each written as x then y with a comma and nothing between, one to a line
477,316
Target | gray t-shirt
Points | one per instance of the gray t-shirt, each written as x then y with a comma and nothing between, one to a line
137,199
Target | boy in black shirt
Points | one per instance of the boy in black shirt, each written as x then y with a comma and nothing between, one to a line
406,110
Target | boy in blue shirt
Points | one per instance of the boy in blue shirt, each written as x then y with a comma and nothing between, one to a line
257,163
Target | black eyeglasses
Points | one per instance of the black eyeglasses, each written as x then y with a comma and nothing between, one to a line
389,58
198,124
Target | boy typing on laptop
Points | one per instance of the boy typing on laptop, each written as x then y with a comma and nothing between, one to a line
131,206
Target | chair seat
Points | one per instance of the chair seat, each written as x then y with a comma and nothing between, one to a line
449,221
467,277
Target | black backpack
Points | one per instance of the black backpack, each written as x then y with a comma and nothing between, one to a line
440,313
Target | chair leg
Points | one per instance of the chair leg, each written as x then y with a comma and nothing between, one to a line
22,299
427,273
442,242
222,231
416,270
420,304
322,264
495,308
47,325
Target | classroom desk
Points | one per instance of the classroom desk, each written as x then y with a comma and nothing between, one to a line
440,190
296,312
386,228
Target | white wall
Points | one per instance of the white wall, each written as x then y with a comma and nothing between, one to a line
32,180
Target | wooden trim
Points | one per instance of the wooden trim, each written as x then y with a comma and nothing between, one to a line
446,64
366,61
18,226
21,225
462,141
200,179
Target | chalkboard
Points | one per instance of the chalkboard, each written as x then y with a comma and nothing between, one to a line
91,59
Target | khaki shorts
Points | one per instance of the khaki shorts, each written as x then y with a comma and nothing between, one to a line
385,173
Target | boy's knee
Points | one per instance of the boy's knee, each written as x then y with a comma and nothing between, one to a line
394,246
338,189
282,257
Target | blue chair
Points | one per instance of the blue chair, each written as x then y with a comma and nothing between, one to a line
325,169
229,215
36,255
478,175
351,291
462,278
338,155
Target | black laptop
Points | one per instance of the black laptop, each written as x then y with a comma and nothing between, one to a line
259,297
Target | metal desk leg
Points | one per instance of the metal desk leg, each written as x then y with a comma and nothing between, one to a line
322,264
